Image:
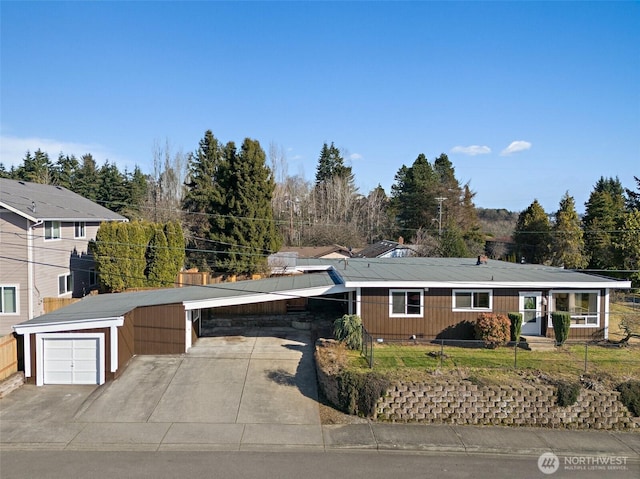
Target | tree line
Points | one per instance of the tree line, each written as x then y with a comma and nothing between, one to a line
605,239
238,205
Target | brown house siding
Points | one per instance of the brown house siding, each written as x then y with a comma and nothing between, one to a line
439,321
126,343
159,329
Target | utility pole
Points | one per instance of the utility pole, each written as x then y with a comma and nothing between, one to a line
440,199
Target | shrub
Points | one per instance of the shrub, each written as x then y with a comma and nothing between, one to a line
493,329
348,329
567,393
516,325
561,323
630,396
359,392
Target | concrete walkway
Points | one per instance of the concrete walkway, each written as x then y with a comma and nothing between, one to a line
252,392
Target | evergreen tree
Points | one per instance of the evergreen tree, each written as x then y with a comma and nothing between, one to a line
602,220
247,231
36,169
110,253
567,240
112,189
65,170
160,267
414,197
205,196
633,197
176,245
532,234
629,245
87,178
136,193
139,235
330,165
452,244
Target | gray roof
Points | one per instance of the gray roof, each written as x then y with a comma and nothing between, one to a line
115,305
447,272
48,202
346,274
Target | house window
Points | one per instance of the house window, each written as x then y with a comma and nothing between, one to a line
79,230
93,278
8,299
472,300
582,305
404,303
65,284
51,230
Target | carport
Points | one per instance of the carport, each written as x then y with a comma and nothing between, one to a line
91,341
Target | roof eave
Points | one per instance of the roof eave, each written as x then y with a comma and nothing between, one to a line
18,212
57,325
490,284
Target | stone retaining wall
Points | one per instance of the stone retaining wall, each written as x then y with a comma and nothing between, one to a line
462,402
454,401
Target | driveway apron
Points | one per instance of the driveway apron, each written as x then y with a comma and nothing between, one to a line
248,390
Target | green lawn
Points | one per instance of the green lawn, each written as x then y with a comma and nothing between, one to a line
611,363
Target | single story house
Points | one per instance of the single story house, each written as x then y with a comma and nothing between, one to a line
92,340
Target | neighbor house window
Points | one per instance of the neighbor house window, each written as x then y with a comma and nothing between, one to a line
65,283
79,229
51,230
403,303
93,279
8,299
471,300
582,305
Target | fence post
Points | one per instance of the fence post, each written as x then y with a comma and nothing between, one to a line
586,355
515,356
441,352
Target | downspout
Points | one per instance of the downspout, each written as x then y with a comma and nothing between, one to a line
31,265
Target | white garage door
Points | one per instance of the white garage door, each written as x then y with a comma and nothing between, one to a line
71,361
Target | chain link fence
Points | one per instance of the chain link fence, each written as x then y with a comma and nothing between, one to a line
573,357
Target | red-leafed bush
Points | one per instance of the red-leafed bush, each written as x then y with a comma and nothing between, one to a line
493,329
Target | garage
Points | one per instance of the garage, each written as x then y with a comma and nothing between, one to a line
71,358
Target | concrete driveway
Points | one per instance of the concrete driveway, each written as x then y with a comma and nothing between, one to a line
229,392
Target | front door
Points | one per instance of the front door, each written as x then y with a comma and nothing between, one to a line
531,310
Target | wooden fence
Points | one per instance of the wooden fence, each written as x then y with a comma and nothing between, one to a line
51,304
8,356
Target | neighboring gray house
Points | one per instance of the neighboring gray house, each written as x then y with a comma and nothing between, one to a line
44,236
387,249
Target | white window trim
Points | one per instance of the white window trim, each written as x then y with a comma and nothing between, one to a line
405,315
456,291
552,302
59,237
65,283
17,288
84,229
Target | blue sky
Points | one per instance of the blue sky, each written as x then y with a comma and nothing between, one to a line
528,99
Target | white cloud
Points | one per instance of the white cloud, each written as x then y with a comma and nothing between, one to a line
515,147
472,150
355,156
13,150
